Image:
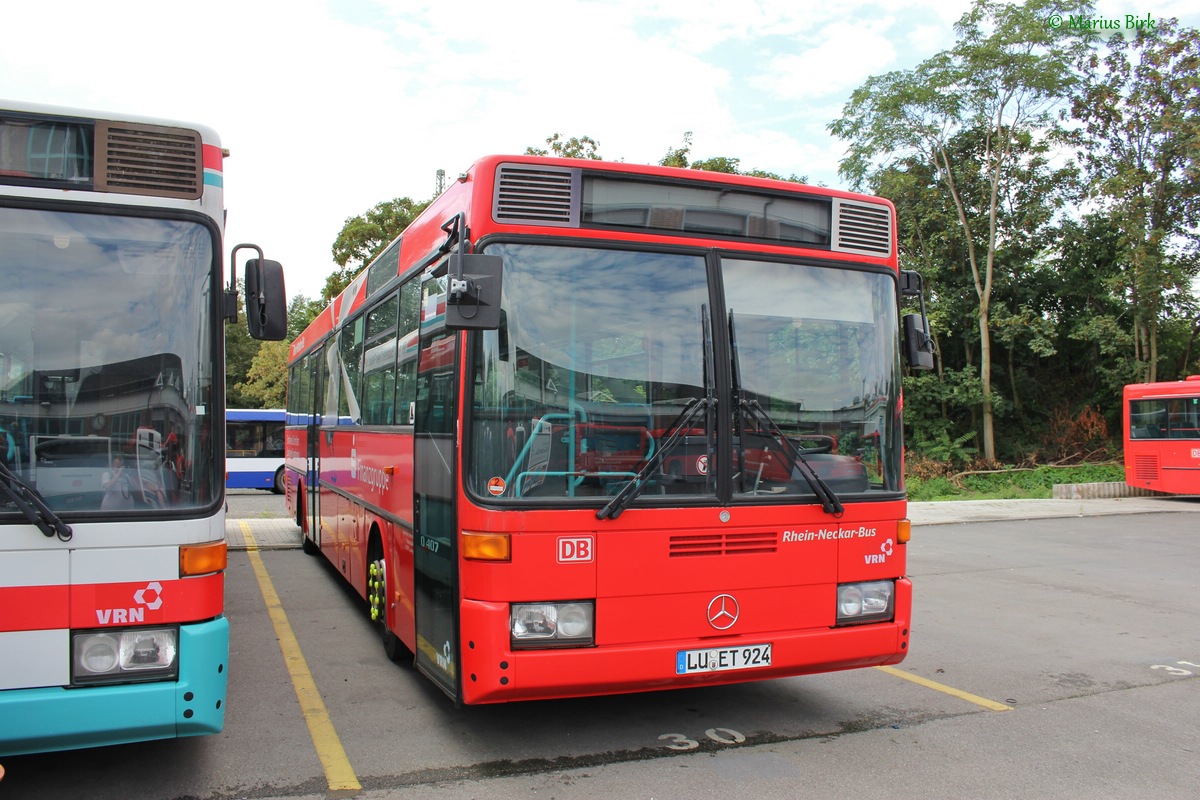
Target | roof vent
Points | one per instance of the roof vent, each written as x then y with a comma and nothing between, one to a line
863,228
148,160
537,195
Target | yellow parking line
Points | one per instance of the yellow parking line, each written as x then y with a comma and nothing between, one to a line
338,771
990,705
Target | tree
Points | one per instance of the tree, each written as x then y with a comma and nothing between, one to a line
266,379
240,350
1001,82
301,312
1140,141
363,237
575,147
678,157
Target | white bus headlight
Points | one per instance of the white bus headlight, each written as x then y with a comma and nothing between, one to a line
552,624
865,602
114,656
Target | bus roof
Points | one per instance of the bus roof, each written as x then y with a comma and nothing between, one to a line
209,135
420,243
1188,386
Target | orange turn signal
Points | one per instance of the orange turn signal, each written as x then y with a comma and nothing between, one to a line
903,531
486,546
202,559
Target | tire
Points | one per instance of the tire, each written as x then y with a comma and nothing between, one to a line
278,486
377,594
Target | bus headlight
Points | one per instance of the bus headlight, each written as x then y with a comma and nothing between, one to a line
864,602
121,656
552,624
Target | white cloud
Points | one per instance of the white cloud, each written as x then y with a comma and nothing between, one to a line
845,57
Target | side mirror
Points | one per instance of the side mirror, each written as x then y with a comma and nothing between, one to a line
473,297
918,344
911,284
266,300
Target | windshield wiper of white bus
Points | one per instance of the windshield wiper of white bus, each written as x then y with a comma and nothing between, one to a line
829,500
30,503
677,431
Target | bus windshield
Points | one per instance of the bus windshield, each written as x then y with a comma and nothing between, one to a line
105,385
601,351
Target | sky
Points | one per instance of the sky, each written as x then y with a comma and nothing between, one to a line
331,106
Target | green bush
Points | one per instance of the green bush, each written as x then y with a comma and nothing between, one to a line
1010,484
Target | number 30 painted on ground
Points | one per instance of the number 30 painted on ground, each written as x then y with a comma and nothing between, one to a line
719,735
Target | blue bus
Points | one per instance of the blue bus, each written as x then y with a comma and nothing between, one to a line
254,449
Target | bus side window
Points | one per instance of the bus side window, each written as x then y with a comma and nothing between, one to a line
379,365
406,371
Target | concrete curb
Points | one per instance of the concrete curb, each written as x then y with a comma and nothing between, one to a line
1096,491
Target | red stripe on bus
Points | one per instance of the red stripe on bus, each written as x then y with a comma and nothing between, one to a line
213,157
103,605
33,608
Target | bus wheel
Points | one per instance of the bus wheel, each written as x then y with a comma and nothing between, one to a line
377,594
278,487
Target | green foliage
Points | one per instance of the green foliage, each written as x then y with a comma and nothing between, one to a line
1140,143
1013,484
937,445
301,312
678,157
240,350
969,115
365,236
266,379
575,147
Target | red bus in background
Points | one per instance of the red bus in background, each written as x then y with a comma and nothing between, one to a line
588,428
1162,435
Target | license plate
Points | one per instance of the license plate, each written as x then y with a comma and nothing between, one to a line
719,659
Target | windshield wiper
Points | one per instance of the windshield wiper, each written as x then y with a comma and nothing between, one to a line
683,422
678,431
30,503
829,500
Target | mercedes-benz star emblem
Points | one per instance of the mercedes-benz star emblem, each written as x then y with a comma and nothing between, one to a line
723,611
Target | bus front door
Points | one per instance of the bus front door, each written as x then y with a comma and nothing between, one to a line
312,484
435,540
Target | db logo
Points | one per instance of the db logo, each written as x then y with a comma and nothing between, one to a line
575,549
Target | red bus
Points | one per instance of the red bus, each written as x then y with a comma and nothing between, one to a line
589,428
1162,435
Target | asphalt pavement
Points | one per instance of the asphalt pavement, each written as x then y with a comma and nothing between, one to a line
276,533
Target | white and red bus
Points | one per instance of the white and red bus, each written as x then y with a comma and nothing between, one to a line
588,428
1162,435
112,551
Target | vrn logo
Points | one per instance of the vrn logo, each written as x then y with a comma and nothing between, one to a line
881,557
148,597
